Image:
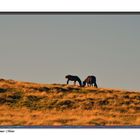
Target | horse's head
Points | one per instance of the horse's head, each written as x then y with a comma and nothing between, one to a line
84,83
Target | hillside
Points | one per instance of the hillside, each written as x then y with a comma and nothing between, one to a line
32,104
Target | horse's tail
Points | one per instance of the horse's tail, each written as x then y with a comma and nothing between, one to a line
95,83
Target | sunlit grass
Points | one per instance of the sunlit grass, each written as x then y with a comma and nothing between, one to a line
25,103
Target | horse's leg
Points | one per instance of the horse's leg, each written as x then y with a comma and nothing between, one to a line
74,82
67,81
95,85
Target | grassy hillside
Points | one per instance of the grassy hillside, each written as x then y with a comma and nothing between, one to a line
24,103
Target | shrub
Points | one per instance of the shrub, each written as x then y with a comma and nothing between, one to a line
2,90
65,104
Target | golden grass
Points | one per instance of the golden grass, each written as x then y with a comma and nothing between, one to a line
32,104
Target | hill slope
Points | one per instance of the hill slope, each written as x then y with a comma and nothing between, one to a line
24,103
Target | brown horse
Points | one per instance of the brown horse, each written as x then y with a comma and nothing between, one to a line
90,80
73,78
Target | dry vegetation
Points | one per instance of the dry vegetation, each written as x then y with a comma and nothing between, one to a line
32,104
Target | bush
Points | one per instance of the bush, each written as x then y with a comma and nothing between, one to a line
65,104
2,90
33,98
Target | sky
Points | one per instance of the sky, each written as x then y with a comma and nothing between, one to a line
45,48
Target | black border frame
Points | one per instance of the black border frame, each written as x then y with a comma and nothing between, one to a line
69,13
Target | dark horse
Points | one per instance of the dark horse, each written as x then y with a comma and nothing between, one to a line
73,78
90,80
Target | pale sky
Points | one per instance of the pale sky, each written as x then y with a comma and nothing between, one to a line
45,48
